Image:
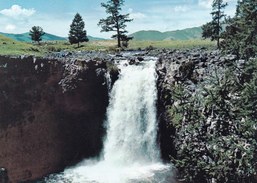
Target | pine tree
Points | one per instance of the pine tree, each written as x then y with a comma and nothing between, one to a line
77,33
116,22
213,29
36,33
240,35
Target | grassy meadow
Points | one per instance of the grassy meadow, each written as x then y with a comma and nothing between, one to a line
172,44
11,47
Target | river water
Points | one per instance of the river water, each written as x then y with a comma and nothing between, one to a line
131,152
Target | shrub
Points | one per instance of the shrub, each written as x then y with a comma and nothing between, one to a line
216,126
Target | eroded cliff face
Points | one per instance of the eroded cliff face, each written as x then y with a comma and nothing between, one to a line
51,114
190,68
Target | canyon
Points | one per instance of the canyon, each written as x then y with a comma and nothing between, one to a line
52,110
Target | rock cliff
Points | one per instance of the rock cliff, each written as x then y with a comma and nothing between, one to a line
190,68
51,114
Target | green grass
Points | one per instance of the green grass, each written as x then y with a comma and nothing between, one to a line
173,44
11,47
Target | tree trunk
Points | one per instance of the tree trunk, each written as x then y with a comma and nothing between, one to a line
119,45
218,38
118,33
78,44
118,38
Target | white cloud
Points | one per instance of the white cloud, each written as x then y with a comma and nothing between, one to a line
179,9
136,15
17,11
205,3
10,27
208,3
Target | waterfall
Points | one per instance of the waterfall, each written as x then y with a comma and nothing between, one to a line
130,153
131,117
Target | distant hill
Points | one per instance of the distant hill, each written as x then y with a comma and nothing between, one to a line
184,34
25,37
91,38
151,35
5,39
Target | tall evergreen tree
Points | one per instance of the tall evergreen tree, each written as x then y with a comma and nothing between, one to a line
240,35
116,21
77,33
213,29
36,33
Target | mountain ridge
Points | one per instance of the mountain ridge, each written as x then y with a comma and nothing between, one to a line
25,37
154,35
142,35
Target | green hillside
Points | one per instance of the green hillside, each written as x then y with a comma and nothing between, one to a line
150,35
185,34
25,37
91,38
13,47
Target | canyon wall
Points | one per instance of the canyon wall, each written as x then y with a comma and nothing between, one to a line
51,114
190,68
203,97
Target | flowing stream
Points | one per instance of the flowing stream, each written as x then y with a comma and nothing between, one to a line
131,153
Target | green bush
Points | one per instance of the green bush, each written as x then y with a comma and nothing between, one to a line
216,127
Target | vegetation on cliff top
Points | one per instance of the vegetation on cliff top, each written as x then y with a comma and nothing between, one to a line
215,124
213,29
11,47
36,33
240,35
77,33
116,22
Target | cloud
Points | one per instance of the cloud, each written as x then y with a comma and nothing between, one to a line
208,3
205,3
136,15
17,12
179,9
10,27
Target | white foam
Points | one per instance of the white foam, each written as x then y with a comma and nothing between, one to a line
131,153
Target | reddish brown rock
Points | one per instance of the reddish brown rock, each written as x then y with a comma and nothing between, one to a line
44,128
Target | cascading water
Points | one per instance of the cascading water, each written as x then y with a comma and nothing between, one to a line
131,117
130,153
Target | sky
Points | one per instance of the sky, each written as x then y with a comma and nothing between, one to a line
55,16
